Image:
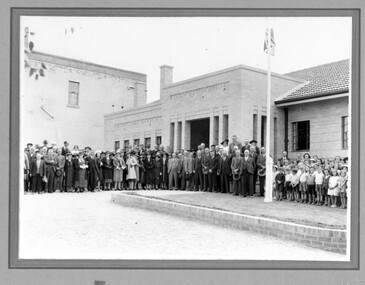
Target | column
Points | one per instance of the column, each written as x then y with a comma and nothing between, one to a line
174,147
220,125
211,128
183,133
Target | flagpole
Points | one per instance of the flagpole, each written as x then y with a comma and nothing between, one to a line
269,161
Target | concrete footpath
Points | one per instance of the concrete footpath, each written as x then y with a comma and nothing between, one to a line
304,214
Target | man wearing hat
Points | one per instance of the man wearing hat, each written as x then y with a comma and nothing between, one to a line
60,160
92,169
247,172
261,166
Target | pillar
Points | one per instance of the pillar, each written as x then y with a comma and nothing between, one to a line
220,125
174,147
183,132
211,128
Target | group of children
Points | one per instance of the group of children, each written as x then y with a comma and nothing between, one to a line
316,184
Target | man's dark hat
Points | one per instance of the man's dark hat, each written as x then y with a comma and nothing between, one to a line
253,141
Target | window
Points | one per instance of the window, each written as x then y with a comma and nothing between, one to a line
345,131
147,142
136,142
254,133
73,94
126,144
301,135
158,140
116,145
263,131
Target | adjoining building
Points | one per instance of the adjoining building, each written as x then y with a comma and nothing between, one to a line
70,100
309,107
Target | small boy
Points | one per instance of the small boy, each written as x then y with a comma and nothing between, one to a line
326,179
319,176
280,180
311,186
295,182
287,187
302,186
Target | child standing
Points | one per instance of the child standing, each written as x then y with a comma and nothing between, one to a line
325,187
295,182
302,186
287,187
333,188
280,180
311,186
319,177
342,181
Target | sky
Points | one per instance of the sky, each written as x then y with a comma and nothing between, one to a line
192,45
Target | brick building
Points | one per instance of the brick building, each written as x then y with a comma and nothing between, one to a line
69,101
215,106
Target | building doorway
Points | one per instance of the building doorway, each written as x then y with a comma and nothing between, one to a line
199,133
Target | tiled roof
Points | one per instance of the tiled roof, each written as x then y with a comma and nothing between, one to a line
322,80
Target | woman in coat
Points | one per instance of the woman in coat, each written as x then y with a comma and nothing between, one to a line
98,170
158,171
107,165
82,173
69,173
131,164
119,165
149,166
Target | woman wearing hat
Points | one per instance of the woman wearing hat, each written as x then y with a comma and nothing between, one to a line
149,166
131,164
82,174
107,166
69,172
119,165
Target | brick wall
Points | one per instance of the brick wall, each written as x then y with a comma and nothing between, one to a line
326,239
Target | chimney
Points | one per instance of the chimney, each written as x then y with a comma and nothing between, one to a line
165,75
139,94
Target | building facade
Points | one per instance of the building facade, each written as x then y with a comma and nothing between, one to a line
309,111
69,101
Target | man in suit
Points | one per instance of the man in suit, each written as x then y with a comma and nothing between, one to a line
188,170
247,171
254,156
212,171
234,143
281,160
164,162
245,146
60,166
205,166
65,148
236,165
261,165
172,168
224,171
37,171
92,169
198,171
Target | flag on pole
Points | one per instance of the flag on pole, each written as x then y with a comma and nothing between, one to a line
272,42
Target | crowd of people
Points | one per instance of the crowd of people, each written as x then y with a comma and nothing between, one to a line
231,167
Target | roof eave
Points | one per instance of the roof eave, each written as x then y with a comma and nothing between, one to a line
301,99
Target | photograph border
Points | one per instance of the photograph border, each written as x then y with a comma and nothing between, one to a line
14,124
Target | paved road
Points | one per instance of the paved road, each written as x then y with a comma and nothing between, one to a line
90,226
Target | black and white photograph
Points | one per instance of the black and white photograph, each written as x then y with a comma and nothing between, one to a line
185,138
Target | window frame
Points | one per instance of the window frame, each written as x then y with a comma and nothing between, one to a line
295,136
69,104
